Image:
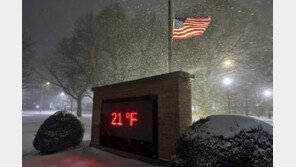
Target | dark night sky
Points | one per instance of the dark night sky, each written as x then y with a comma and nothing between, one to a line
47,21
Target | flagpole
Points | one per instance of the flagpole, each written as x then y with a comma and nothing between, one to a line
170,30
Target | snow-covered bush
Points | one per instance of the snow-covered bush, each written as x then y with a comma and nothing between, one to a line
60,131
225,141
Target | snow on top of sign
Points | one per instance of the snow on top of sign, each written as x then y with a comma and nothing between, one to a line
226,126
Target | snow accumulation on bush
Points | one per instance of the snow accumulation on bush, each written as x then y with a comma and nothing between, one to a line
225,141
60,131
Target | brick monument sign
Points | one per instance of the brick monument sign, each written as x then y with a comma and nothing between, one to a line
143,117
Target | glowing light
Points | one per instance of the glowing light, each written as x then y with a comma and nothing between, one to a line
131,117
47,83
267,93
116,116
119,123
227,81
37,106
227,63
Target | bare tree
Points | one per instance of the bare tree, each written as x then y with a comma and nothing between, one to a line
71,83
231,35
28,57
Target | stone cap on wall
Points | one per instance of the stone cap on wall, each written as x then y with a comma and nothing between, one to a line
176,74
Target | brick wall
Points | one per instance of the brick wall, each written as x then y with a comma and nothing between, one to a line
174,105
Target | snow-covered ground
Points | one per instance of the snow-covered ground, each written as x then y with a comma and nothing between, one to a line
87,157
31,121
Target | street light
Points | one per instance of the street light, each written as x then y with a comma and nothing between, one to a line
63,97
227,81
267,94
47,84
228,63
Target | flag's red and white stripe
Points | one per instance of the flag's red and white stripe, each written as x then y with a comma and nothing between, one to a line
191,27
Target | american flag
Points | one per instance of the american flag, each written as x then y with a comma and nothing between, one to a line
189,27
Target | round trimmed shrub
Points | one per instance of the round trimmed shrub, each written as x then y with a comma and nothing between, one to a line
225,141
58,132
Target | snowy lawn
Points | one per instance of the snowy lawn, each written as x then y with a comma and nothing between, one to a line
31,121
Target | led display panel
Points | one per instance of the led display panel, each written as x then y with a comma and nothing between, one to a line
130,124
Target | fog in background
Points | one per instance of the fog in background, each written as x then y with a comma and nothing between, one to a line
75,45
